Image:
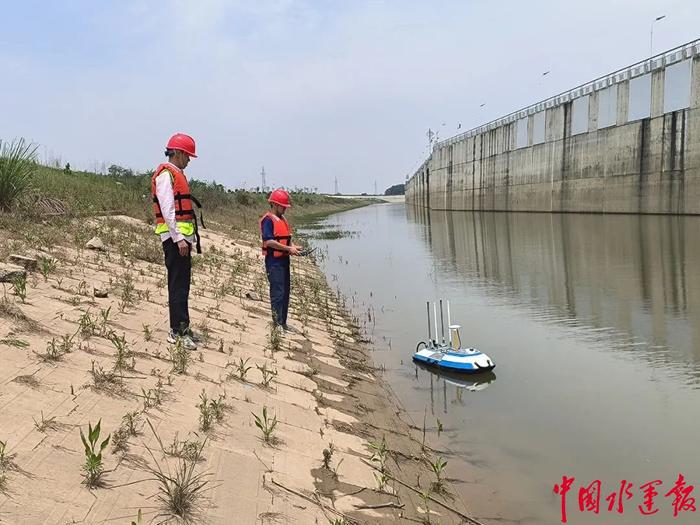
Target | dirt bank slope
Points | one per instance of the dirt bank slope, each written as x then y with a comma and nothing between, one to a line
69,359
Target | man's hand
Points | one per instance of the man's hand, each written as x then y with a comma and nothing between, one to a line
183,248
293,250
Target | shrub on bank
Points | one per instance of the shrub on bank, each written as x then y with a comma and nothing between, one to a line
17,168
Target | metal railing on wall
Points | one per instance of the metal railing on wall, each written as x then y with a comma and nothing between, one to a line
643,67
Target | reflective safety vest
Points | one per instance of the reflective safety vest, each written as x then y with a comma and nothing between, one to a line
282,233
184,213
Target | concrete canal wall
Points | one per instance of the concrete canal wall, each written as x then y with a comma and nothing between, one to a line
628,142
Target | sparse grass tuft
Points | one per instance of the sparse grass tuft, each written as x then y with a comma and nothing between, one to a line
45,424
57,348
179,492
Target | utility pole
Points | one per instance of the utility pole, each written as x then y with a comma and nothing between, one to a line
262,175
336,186
375,188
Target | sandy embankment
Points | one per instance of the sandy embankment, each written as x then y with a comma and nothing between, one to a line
324,392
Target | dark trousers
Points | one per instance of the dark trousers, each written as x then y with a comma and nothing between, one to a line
278,275
179,276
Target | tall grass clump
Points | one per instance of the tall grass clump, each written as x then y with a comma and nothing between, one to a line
17,168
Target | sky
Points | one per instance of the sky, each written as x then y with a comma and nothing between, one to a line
311,90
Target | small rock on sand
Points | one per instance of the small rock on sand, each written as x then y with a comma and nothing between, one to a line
9,272
29,263
95,244
101,292
253,296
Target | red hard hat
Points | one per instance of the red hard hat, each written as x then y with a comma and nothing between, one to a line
183,143
281,197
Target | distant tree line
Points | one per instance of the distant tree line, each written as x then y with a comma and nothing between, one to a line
396,189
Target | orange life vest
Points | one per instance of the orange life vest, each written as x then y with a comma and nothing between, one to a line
282,233
181,192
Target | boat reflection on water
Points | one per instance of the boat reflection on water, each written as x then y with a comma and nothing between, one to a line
473,382
457,384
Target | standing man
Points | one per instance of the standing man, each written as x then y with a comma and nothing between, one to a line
177,227
277,247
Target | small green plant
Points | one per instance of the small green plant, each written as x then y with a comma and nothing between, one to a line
425,498
102,378
139,519
57,348
47,265
124,353
209,411
205,413
180,357
93,467
328,456
274,338
151,397
267,374
6,460
128,297
17,343
19,285
104,319
242,368
120,440
187,449
379,452
217,407
147,333
130,420
87,325
204,332
438,467
266,425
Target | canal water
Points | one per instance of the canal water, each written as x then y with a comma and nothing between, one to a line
593,322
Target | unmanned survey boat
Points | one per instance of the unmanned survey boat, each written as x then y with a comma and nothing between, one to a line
448,354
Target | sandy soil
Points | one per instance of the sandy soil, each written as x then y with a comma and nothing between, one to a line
325,392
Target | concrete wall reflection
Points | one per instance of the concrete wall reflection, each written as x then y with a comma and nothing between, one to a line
633,276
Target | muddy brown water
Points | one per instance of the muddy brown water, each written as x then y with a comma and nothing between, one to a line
594,324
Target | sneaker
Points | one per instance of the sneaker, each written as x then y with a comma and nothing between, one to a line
290,329
193,335
187,341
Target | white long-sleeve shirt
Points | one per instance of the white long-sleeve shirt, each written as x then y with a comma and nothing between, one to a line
166,199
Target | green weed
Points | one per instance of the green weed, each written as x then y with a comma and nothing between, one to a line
93,467
438,467
266,425
267,374
180,357
19,286
47,265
